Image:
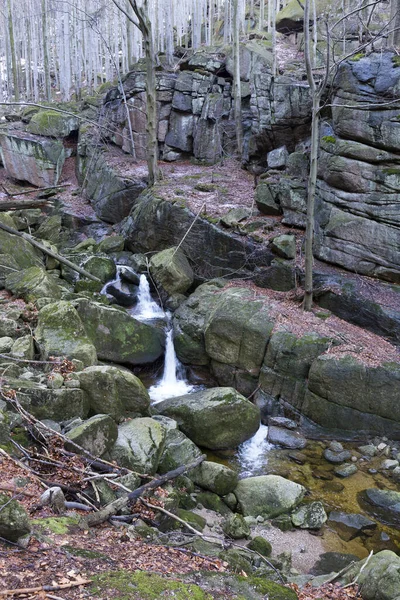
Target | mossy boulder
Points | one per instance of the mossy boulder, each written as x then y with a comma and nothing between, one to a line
113,243
97,435
53,124
118,337
178,450
193,519
45,403
50,229
236,527
266,200
32,284
284,246
24,348
310,516
261,545
213,502
115,391
102,267
217,418
60,332
214,477
379,577
14,520
139,445
268,495
171,269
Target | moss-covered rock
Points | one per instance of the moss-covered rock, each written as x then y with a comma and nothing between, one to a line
24,347
268,495
60,332
178,450
113,243
14,520
97,435
196,521
236,527
123,585
261,545
139,445
50,229
53,124
101,267
115,391
213,502
214,477
379,578
118,337
32,284
217,418
171,269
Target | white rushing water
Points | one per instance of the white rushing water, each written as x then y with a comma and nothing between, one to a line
173,382
252,454
146,307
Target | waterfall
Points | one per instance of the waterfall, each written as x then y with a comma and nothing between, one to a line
252,454
146,307
116,282
173,382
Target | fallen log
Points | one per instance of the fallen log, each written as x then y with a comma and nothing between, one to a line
61,259
45,588
122,503
21,204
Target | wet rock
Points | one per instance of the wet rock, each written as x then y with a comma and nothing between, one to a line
139,445
323,474
310,516
336,457
115,391
282,422
368,450
350,526
217,418
14,520
101,267
286,438
298,457
336,447
390,465
346,470
236,527
268,495
333,562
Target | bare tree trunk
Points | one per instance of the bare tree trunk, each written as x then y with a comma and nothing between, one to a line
394,38
47,87
237,88
13,51
273,31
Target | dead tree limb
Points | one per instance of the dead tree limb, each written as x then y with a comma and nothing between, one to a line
40,189
43,248
45,588
21,204
122,503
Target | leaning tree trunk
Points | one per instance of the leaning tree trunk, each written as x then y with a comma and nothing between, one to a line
151,101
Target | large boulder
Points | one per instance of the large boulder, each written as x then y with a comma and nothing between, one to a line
217,418
214,477
268,495
32,158
60,332
345,394
139,445
14,520
51,123
171,269
97,435
32,284
115,391
384,502
118,337
178,450
378,575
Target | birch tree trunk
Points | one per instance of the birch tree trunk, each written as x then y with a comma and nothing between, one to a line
13,51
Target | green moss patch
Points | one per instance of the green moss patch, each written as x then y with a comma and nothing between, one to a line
329,139
144,586
57,525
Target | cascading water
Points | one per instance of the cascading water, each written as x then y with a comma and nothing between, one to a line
146,307
173,381
252,454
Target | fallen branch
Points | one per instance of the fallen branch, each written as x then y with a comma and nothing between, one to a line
360,571
172,516
43,189
45,588
43,248
123,503
21,204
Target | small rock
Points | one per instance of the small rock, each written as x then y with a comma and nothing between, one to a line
286,438
282,422
236,527
354,459
284,246
55,381
336,457
350,526
368,450
14,520
235,215
390,465
381,447
346,470
72,383
260,545
311,516
298,457
336,447
322,474
6,344
396,474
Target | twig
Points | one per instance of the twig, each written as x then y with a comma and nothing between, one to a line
170,514
45,588
360,571
339,573
122,503
188,231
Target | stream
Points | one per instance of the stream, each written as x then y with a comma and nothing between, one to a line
257,456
